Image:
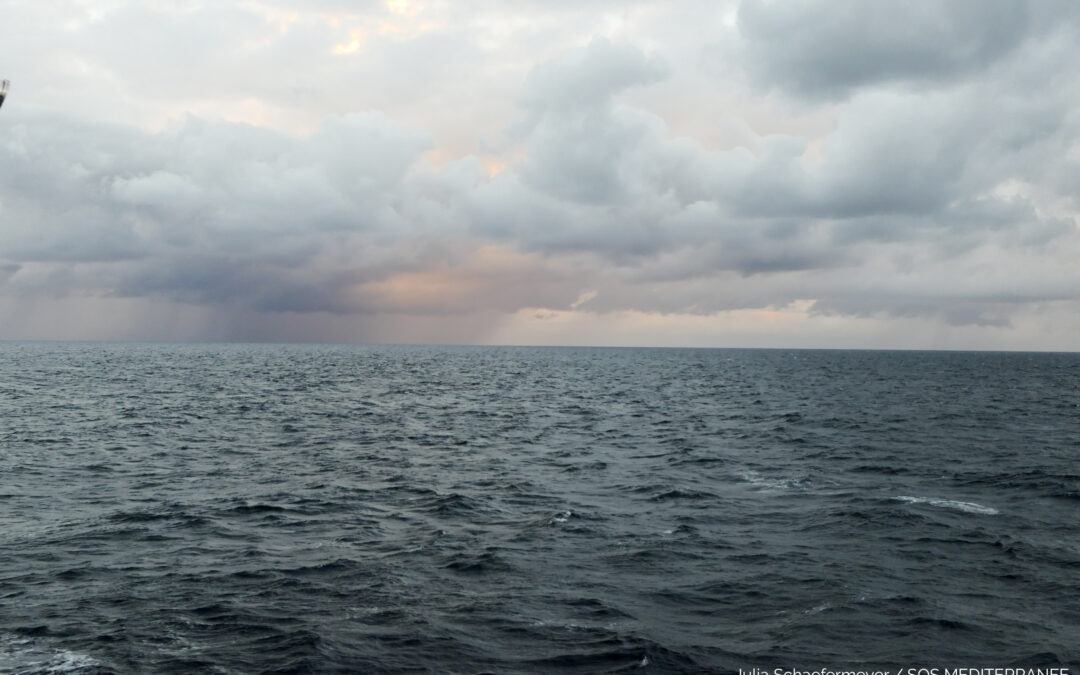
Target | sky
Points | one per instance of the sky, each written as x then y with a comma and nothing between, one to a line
810,173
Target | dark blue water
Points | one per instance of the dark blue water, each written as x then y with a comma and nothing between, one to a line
269,508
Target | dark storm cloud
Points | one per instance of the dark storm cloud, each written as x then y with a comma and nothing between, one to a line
210,212
828,47
7,271
958,312
250,283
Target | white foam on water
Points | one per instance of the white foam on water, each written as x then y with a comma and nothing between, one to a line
966,507
560,518
21,655
758,480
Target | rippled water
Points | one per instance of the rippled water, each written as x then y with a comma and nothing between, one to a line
248,508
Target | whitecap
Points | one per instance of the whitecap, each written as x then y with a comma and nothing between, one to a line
760,481
966,507
560,518
21,655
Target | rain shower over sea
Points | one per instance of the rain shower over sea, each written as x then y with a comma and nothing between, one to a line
317,508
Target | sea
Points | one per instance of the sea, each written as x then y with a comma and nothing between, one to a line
258,508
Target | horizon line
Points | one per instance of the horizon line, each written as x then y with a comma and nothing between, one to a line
529,346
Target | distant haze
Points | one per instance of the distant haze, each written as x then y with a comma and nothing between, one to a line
815,173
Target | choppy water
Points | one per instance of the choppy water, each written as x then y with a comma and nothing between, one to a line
249,508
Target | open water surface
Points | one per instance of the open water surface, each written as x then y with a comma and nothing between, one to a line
303,508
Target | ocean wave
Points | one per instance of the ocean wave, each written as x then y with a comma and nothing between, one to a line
560,518
480,522
22,655
966,507
764,483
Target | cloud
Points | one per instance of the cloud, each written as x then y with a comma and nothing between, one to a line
820,48
474,167
577,136
208,212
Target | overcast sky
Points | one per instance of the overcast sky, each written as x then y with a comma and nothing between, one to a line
815,173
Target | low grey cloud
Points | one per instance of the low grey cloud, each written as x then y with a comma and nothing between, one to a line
824,48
